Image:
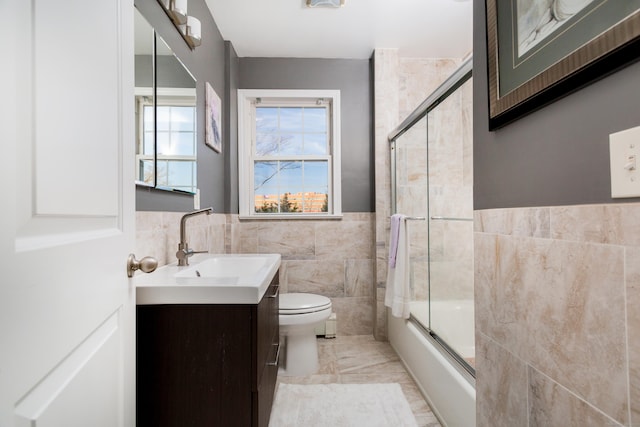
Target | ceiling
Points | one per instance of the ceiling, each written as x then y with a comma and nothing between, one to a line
288,29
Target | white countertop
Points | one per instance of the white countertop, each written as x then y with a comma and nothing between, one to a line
224,279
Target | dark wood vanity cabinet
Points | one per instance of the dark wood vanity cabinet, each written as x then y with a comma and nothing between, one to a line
207,365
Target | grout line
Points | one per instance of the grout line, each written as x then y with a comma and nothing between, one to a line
528,370
626,332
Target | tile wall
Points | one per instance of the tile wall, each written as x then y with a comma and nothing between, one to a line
557,316
333,258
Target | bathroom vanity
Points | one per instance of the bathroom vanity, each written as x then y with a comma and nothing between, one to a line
207,363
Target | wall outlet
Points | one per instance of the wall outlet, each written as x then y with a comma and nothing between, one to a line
624,155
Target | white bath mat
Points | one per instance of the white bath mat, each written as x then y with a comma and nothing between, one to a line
341,405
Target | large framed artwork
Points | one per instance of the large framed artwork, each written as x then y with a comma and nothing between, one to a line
541,50
213,119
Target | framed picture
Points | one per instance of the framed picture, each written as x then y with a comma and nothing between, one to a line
213,119
541,50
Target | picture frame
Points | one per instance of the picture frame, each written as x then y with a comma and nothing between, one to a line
532,62
213,119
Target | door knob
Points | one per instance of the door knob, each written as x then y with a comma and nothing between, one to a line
146,264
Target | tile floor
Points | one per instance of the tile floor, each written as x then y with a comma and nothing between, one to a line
361,360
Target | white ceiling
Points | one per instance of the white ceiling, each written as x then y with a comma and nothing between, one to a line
288,29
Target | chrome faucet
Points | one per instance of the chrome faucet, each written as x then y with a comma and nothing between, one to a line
184,252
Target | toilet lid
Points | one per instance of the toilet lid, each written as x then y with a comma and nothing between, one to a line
298,303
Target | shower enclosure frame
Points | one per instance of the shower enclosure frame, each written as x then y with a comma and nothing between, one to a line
447,376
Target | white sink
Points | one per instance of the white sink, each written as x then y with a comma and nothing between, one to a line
209,279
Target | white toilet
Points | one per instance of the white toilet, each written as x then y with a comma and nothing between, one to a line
299,315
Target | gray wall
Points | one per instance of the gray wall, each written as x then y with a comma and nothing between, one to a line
558,155
143,70
352,77
207,64
172,73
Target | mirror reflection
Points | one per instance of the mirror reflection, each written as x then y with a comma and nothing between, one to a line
165,115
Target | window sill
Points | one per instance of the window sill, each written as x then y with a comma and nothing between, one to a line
151,188
291,217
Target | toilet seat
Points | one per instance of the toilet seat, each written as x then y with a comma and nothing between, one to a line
302,303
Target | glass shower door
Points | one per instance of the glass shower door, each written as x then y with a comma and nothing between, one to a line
432,184
450,222
411,188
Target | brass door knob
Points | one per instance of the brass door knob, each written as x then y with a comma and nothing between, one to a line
146,264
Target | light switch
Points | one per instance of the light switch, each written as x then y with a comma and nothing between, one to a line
624,153
196,199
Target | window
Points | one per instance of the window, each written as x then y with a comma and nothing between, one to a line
175,144
289,153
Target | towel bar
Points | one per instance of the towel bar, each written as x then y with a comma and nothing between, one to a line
445,218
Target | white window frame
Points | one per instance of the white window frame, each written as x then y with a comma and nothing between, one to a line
247,99
179,97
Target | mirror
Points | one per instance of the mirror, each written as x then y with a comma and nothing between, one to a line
165,105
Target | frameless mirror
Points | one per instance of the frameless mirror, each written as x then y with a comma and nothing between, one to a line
165,115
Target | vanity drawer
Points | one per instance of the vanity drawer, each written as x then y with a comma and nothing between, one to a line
263,397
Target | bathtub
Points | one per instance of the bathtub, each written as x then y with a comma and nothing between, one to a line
449,390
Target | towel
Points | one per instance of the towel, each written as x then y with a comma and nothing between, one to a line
398,292
396,220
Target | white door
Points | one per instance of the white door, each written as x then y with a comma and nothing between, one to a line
67,319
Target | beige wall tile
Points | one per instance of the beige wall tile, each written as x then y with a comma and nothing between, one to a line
150,236
559,306
380,330
284,286
217,235
148,221
171,223
615,224
382,264
420,277
321,277
249,237
501,386
291,239
553,405
632,263
354,315
530,222
342,240
358,281
151,243
358,216
565,306
449,280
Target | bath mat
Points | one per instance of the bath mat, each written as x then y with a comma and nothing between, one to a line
341,405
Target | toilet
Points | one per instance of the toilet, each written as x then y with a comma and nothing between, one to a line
299,315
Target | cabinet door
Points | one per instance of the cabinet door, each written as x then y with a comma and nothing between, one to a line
268,351
193,365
